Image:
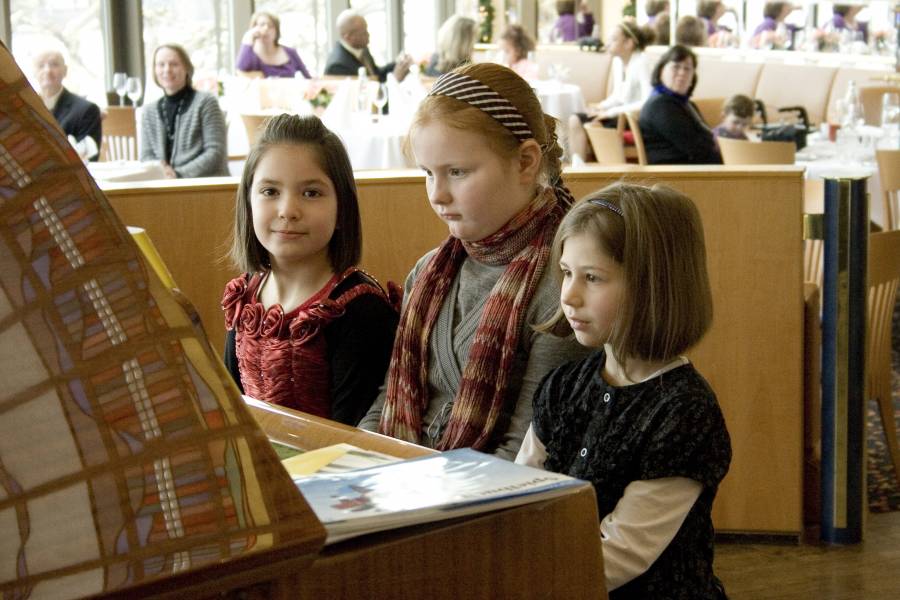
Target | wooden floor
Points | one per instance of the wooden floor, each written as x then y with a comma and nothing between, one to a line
869,571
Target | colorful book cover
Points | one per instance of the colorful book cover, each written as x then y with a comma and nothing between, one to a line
430,488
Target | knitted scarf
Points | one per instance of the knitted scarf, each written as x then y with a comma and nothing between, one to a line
523,245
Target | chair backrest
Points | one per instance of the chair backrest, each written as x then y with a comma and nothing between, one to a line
743,152
870,96
632,118
710,109
607,144
119,134
889,174
883,279
254,125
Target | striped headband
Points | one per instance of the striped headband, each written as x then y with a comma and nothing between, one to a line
607,204
474,93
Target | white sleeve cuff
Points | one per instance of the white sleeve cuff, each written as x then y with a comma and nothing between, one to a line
532,451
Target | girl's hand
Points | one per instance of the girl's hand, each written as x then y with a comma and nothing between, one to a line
168,171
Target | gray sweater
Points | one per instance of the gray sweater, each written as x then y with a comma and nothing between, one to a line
452,338
200,148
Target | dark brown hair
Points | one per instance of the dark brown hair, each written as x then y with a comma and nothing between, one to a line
740,106
676,54
565,7
666,306
772,10
345,247
707,8
185,60
641,36
654,7
519,39
690,31
458,114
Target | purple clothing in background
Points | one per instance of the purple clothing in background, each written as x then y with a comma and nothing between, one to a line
768,24
839,24
570,29
247,60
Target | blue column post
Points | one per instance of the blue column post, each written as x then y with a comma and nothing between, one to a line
843,360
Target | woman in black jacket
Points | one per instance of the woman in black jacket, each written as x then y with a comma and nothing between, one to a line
673,131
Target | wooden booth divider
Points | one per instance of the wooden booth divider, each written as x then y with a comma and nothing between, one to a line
752,356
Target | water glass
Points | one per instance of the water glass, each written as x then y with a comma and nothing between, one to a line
134,89
380,99
119,82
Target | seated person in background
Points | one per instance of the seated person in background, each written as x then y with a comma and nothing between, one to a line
844,19
655,9
631,84
260,50
455,44
737,116
515,44
690,31
78,118
352,51
673,131
307,329
568,26
710,11
185,129
661,27
772,31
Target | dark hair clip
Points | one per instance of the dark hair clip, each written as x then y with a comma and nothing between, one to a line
607,204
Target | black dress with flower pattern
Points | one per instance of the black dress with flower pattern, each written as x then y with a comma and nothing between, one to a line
326,357
668,426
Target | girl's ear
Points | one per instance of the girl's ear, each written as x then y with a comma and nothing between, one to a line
529,162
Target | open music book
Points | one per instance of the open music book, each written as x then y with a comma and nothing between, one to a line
425,489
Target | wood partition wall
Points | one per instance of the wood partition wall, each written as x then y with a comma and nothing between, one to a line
752,356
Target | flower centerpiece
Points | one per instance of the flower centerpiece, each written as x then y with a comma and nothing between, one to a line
318,96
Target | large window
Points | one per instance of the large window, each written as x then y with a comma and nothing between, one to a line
304,26
69,26
201,26
419,29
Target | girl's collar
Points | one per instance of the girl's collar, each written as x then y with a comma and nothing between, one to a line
660,89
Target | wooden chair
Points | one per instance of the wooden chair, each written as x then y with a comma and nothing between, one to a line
710,109
119,134
870,97
606,143
889,173
253,124
743,152
632,118
883,280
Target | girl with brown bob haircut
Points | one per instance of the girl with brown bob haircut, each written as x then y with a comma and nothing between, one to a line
466,362
306,328
635,418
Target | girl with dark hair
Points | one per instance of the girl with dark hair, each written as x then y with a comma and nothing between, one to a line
307,329
672,128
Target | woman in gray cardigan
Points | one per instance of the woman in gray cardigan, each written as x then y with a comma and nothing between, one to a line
184,129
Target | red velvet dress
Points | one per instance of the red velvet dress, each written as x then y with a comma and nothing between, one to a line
282,357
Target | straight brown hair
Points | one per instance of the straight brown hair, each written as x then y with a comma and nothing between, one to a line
345,247
658,239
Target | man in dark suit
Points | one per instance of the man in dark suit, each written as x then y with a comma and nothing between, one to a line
79,118
352,51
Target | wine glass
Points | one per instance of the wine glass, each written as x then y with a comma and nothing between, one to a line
134,89
380,99
119,82
890,115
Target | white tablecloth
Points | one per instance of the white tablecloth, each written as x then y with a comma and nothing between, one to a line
560,100
126,170
825,159
374,145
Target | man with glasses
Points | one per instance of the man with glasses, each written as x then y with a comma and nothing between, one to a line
352,51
